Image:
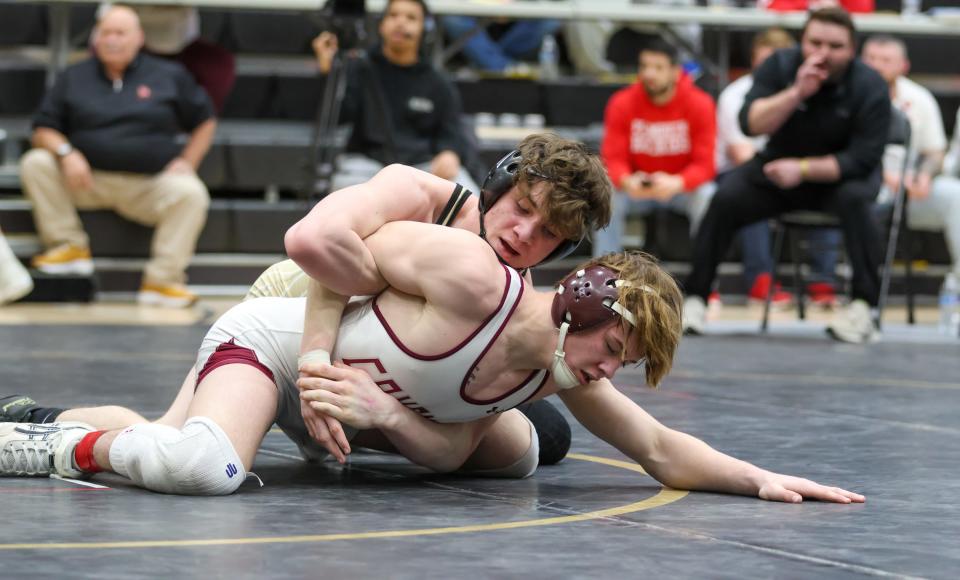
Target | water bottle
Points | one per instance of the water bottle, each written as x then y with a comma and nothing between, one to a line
950,306
910,8
549,59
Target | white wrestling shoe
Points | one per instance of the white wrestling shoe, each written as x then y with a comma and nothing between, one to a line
36,450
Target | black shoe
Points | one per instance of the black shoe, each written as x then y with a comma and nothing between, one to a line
17,409
553,430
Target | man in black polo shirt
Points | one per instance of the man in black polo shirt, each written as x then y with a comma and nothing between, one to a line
827,115
403,110
107,136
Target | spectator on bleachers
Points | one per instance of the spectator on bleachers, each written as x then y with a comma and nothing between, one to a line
734,149
174,32
15,281
934,199
827,115
517,40
658,145
851,6
107,136
403,109
588,41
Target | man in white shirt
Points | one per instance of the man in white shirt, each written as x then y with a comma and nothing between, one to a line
934,198
733,149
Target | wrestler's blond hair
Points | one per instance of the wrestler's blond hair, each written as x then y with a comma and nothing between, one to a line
653,297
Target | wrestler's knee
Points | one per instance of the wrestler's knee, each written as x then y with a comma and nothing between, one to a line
198,459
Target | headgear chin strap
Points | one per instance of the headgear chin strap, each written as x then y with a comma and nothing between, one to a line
499,180
585,299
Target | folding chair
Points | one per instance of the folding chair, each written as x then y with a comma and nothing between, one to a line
790,223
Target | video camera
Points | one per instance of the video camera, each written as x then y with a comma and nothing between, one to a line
347,20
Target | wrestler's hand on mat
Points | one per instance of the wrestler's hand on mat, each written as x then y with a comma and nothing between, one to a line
786,488
349,395
324,429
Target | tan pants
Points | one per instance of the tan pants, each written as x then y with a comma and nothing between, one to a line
176,204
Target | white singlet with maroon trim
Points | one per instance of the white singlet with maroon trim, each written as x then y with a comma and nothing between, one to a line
430,384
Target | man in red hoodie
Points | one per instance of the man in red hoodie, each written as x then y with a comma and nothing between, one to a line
658,145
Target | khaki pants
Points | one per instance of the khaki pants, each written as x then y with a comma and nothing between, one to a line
175,204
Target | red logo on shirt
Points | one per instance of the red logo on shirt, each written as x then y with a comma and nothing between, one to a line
659,138
143,92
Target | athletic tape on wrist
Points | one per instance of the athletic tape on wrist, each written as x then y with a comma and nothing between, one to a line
318,355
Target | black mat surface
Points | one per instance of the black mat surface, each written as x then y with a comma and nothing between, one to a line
883,420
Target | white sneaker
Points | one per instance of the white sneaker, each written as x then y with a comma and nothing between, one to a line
15,283
694,315
34,449
854,324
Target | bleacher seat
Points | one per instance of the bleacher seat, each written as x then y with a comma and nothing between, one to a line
27,84
520,96
272,32
575,104
214,26
250,98
23,25
297,98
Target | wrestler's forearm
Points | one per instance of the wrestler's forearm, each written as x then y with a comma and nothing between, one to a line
682,461
673,458
442,447
322,318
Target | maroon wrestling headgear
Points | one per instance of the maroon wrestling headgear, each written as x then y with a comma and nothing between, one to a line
587,298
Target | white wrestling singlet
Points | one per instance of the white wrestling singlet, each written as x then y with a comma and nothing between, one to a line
432,385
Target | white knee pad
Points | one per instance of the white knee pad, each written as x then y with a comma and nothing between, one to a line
521,468
196,460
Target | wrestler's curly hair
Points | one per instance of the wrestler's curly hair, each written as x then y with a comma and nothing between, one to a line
654,298
578,199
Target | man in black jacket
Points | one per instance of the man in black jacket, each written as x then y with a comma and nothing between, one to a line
403,110
827,115
108,136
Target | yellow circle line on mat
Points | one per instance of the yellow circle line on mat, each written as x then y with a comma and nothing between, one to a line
663,497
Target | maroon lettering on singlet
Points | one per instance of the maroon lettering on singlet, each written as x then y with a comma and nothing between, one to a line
374,367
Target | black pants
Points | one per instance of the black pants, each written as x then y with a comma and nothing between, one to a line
747,196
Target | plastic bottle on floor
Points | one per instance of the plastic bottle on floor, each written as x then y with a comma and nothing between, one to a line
950,305
549,59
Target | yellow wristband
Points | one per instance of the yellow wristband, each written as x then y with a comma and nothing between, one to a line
804,168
